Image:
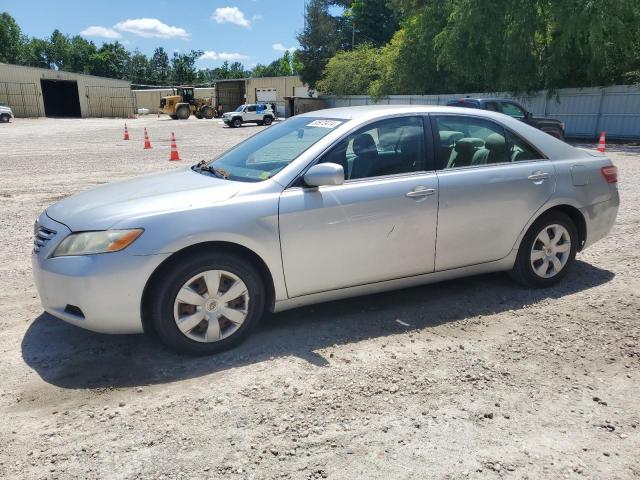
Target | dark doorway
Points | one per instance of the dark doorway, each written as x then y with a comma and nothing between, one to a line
61,98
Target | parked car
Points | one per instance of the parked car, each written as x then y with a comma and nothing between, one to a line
6,113
513,109
253,113
325,205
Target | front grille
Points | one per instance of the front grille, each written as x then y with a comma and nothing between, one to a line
42,236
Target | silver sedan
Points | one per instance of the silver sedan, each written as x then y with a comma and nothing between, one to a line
326,205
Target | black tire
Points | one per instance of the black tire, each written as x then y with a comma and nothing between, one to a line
267,121
208,113
198,115
236,122
4,118
523,271
173,117
165,289
183,112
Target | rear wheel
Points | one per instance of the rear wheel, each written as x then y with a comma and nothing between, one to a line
547,251
183,112
267,120
207,303
4,118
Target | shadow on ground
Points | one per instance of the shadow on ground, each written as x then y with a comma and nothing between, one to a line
70,357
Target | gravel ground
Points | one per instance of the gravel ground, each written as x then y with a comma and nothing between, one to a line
473,378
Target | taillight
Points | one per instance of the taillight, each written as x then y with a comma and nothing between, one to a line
610,173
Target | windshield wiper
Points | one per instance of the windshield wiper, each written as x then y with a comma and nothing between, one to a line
218,172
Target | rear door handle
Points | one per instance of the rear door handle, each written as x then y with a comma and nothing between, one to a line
537,176
420,191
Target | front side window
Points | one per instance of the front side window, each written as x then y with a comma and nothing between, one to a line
493,106
387,147
265,154
471,142
512,110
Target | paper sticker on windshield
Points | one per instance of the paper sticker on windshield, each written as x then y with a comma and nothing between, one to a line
324,123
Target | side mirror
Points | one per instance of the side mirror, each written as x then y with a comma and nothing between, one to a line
324,174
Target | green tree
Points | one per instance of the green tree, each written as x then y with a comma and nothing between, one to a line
319,41
59,51
183,70
79,56
110,60
12,42
159,67
138,68
351,73
369,21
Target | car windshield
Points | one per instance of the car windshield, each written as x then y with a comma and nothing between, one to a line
239,109
265,154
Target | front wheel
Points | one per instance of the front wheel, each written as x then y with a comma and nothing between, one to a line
237,122
183,112
547,251
206,303
4,118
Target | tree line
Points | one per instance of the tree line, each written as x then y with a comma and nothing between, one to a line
383,47
113,60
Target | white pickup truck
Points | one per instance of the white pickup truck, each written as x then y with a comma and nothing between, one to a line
253,113
6,113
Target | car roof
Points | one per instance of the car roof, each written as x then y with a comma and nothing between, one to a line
350,113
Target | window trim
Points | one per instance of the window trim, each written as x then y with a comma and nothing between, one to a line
436,141
427,142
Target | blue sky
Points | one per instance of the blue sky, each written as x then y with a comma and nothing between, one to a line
250,31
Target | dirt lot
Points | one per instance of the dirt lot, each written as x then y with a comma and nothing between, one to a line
474,378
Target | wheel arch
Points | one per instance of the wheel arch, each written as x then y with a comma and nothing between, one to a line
230,247
572,212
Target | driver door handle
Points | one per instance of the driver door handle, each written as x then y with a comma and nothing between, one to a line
537,176
420,191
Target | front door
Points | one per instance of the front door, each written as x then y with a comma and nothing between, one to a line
492,183
379,225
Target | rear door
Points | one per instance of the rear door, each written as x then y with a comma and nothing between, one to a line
485,204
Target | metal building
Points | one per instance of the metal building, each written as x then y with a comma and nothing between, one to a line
39,92
274,90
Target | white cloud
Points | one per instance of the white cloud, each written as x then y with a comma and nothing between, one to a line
150,27
97,31
231,15
279,47
211,55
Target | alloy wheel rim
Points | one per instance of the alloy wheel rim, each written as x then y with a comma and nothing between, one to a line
211,306
550,251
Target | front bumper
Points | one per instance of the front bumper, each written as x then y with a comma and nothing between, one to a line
102,293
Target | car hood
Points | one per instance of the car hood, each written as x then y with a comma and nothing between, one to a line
104,206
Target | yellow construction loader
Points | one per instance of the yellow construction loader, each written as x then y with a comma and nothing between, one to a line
183,104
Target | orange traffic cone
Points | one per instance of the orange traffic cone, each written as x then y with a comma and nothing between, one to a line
601,143
147,142
126,133
175,156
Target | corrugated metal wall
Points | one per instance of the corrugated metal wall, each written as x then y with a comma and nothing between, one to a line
20,88
151,98
285,87
586,112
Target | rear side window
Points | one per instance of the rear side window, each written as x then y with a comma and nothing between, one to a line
251,108
493,106
475,142
469,141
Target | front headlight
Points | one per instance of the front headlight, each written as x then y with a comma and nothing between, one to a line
87,243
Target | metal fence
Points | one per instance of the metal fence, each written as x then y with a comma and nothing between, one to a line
21,97
585,111
105,101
